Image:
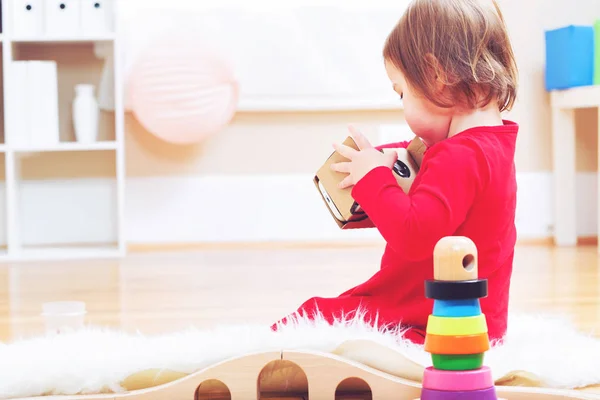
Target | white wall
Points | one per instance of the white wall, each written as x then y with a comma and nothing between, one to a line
253,182
293,57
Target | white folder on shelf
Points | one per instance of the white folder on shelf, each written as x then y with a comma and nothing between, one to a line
35,100
18,112
96,17
62,17
49,78
43,101
27,18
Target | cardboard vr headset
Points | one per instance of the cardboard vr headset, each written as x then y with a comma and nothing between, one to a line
345,211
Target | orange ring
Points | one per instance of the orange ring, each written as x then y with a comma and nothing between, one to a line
471,344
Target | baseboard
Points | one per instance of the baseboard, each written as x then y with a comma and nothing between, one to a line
237,246
548,241
182,247
375,244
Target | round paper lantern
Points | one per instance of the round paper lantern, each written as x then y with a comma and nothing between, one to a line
182,91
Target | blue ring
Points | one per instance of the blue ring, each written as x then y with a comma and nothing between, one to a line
456,308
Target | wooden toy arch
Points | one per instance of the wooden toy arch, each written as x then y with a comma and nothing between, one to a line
282,378
238,379
212,389
355,388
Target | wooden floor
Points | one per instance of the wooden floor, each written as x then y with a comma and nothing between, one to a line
158,292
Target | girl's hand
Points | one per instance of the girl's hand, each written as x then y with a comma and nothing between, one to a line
362,161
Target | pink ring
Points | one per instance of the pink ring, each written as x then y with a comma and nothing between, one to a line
478,379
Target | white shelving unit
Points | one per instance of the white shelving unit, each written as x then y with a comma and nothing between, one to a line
564,103
111,138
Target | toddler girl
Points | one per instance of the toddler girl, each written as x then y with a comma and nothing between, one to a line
452,64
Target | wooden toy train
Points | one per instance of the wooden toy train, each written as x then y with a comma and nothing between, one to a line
456,338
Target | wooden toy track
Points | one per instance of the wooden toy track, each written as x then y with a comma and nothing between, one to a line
300,375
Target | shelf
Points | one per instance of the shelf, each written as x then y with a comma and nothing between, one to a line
63,253
66,39
62,199
577,97
68,146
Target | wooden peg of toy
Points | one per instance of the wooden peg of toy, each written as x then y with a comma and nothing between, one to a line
455,259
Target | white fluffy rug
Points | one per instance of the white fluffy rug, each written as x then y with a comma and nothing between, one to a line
94,360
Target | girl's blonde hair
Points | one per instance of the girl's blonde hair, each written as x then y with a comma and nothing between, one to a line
460,46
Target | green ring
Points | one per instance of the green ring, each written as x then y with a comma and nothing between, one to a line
463,362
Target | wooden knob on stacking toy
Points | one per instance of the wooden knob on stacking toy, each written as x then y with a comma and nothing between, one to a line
455,273
455,259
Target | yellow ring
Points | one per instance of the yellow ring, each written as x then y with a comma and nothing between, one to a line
456,326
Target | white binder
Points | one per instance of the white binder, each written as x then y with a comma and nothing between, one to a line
96,17
45,94
34,113
62,17
18,112
28,18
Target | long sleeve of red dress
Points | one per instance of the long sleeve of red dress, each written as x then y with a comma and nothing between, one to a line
412,224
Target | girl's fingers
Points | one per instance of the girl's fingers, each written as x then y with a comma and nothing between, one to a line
346,182
345,151
392,156
341,167
361,140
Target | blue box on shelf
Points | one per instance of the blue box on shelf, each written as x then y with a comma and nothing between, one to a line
569,57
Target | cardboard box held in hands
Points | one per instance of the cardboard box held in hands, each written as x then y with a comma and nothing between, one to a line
345,211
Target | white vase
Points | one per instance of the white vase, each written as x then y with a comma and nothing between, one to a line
85,114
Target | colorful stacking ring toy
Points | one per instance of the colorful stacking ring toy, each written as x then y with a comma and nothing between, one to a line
457,333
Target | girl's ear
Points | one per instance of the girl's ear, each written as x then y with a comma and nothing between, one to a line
437,76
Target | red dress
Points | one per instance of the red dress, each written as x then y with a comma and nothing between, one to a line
466,187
